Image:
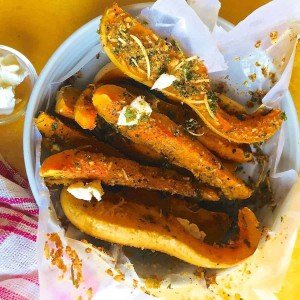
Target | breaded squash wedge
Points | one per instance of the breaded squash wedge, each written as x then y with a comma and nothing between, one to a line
123,222
191,121
132,150
84,111
215,224
163,135
212,141
66,98
58,136
76,164
144,56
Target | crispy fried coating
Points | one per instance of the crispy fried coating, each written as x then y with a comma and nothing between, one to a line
164,136
128,223
58,136
144,56
76,164
194,125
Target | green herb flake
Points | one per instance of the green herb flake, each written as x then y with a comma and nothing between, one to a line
54,126
188,73
184,89
213,101
283,116
176,46
144,118
117,49
130,114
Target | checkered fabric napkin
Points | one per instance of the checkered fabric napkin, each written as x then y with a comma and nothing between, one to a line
18,227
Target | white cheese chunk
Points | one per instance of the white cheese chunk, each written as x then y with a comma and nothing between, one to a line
7,100
11,75
163,81
11,72
133,113
192,229
86,191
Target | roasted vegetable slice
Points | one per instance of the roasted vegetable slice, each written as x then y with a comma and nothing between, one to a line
66,98
58,136
84,111
123,222
164,136
76,164
132,150
144,56
212,141
215,224
191,121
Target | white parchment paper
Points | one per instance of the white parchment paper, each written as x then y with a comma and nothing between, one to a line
231,58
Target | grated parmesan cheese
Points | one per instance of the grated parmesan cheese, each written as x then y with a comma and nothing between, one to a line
209,109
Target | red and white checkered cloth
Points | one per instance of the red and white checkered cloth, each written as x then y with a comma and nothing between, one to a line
18,227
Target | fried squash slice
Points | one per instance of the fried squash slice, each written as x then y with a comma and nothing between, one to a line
58,136
84,111
215,224
65,104
190,120
164,136
144,56
132,224
76,164
66,99
212,141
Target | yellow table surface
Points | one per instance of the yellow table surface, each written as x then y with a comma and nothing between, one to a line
37,28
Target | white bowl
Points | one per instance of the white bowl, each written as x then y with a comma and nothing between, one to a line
76,47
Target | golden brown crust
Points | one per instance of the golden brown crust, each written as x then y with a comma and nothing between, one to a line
164,136
215,224
76,164
182,115
132,224
119,32
58,136
212,141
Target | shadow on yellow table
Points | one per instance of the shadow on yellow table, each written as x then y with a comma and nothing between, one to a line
37,28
